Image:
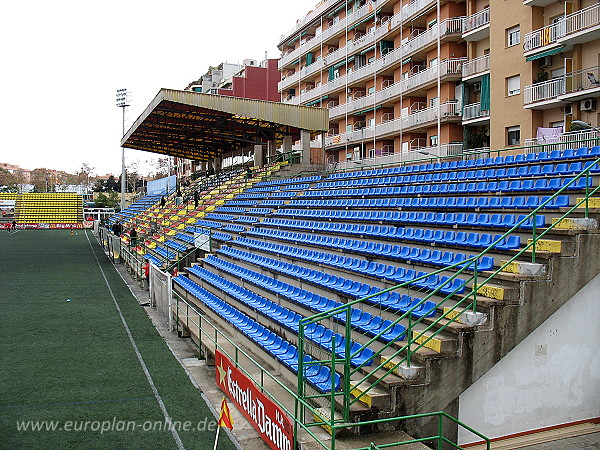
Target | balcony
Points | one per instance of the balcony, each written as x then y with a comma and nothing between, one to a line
476,67
429,116
334,29
448,27
581,26
571,139
307,18
423,118
416,154
570,87
477,26
411,9
421,79
473,113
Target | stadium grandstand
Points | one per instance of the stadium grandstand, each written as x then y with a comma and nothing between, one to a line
429,296
44,210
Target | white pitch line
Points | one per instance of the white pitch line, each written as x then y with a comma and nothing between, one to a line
139,355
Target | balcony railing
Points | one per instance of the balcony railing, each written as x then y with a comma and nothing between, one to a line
452,25
447,67
474,111
544,91
573,23
475,66
429,115
307,18
424,117
571,139
424,153
411,9
479,19
331,31
571,82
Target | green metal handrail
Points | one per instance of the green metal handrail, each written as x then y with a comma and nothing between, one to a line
412,346
276,398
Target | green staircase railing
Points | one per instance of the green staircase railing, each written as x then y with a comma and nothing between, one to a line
344,399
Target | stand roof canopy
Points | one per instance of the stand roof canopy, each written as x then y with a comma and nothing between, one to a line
201,126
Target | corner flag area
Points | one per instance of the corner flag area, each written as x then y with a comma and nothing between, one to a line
81,364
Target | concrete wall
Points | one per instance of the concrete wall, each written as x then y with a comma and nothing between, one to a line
552,377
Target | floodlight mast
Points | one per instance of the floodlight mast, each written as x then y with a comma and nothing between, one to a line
123,102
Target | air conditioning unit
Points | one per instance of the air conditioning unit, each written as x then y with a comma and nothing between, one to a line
546,61
568,110
588,104
477,87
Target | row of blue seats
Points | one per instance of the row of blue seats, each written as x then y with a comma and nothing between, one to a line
401,303
447,189
280,194
378,327
319,375
555,155
208,223
259,211
287,187
440,237
495,202
234,227
401,252
221,236
308,179
154,260
505,221
541,184
185,238
241,203
178,246
165,253
246,219
322,336
218,216
357,265
230,209
535,171
261,195
272,202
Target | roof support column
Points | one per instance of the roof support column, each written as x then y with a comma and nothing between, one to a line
217,164
305,146
259,155
271,151
287,148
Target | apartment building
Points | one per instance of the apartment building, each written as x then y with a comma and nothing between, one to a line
253,79
406,80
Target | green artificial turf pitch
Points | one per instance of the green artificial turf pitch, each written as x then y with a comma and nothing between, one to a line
71,365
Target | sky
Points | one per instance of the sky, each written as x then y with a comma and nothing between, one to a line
63,60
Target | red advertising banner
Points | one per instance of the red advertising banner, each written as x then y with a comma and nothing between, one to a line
49,226
266,417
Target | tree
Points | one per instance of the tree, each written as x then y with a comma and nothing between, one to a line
84,175
162,168
107,201
8,181
43,180
111,185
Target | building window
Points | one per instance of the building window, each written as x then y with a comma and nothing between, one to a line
371,123
434,101
513,135
433,141
433,62
513,85
372,90
513,36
